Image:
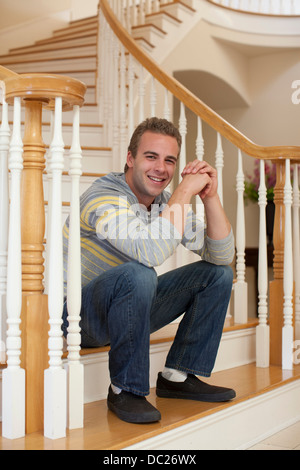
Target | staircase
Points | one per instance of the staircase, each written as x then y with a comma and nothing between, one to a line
72,51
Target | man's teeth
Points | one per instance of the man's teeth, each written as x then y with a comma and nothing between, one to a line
159,180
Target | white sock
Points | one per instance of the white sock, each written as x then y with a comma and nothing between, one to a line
116,390
174,375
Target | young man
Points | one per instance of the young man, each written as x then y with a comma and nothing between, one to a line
129,225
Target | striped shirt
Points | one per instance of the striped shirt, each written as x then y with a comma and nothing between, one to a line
115,229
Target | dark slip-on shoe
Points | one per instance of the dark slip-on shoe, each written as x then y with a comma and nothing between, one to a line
192,389
132,408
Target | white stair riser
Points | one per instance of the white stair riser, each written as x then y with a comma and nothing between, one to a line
51,55
65,65
89,136
88,39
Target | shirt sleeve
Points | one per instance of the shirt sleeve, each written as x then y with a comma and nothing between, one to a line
195,239
116,221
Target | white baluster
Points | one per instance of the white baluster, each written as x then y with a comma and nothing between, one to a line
141,15
296,249
220,166
116,110
141,95
55,375
148,7
241,287
13,388
183,132
4,210
49,183
123,114
153,98
130,97
180,252
74,369
288,330
262,331
155,5
134,13
167,111
200,156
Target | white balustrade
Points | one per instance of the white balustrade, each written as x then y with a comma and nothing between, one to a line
241,287
288,330
4,211
55,375
13,390
75,379
262,331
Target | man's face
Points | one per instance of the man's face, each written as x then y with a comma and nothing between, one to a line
153,168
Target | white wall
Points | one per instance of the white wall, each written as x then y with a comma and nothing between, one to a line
254,89
24,22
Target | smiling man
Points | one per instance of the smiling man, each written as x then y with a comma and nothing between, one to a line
129,225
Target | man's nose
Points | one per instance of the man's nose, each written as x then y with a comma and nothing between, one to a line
160,166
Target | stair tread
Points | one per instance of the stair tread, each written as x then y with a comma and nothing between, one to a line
104,431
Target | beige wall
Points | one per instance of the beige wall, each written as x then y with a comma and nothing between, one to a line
250,88
14,12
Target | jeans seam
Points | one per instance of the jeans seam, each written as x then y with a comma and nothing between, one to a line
175,294
187,334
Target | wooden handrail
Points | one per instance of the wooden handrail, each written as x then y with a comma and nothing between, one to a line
193,102
6,73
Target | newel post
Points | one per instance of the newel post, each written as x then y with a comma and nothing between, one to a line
36,91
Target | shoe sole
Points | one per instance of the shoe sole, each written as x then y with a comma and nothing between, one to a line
203,397
130,418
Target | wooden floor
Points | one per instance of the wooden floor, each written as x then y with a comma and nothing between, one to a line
104,431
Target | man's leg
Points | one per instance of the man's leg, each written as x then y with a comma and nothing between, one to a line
201,291
116,310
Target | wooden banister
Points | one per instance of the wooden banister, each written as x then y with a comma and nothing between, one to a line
37,91
193,102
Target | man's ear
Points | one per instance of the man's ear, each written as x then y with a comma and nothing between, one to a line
130,159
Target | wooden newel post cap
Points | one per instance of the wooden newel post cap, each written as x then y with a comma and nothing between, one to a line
45,88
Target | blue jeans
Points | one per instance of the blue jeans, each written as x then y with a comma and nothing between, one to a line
122,306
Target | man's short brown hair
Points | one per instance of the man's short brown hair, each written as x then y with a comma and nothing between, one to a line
157,126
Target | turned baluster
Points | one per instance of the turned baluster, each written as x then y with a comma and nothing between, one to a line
13,390
288,329
55,375
4,209
74,367
262,331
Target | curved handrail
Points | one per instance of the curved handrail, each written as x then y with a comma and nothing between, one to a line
6,73
253,12
193,102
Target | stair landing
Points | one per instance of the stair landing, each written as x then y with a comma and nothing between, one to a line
104,431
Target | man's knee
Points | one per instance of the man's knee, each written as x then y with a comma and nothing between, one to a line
142,279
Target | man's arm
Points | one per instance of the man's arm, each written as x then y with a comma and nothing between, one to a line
179,203
218,226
